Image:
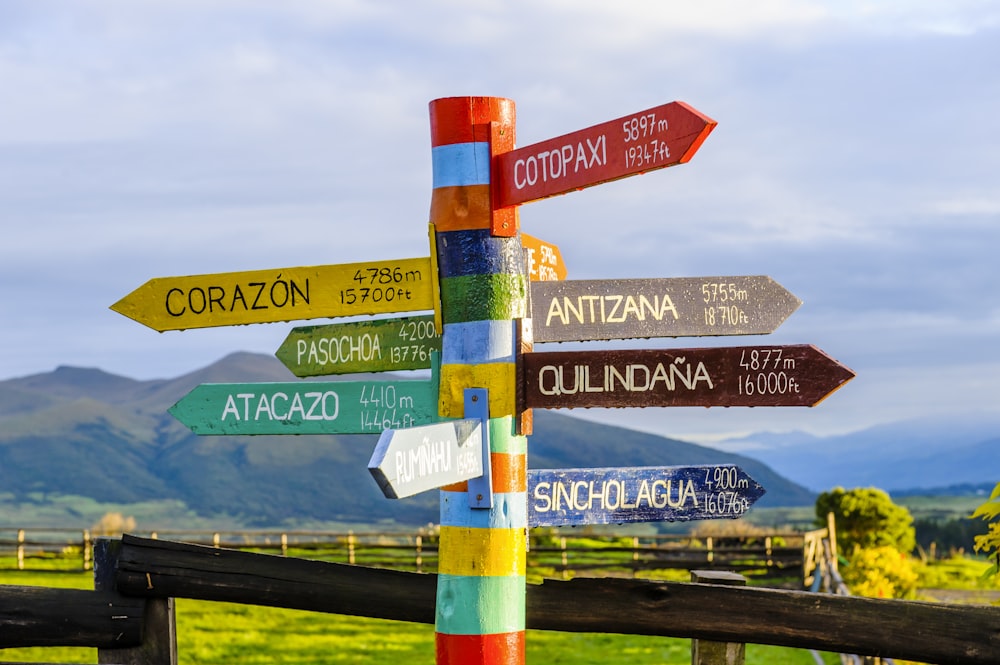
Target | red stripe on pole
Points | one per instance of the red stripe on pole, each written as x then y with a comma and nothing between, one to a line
492,649
451,116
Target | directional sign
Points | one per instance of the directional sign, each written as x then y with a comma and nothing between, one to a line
574,497
307,407
283,294
545,263
409,461
380,345
584,310
645,141
796,375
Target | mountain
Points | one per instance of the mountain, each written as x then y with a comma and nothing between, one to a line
86,433
901,456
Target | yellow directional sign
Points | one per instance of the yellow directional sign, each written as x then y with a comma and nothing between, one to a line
283,294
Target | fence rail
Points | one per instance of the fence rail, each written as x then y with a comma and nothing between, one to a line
549,552
158,571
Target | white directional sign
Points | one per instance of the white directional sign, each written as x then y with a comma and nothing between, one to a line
417,459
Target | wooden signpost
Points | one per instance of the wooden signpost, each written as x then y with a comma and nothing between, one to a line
283,294
583,310
378,345
795,375
576,497
307,407
465,431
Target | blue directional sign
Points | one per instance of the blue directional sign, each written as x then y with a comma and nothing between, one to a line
575,497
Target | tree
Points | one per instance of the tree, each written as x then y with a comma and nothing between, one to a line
875,536
113,524
989,543
866,518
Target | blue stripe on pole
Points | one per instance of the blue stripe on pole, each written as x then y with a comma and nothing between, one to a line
478,342
477,252
461,164
509,511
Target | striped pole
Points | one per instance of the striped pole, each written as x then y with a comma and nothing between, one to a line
481,567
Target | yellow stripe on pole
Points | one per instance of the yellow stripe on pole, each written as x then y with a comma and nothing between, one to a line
483,552
282,294
499,377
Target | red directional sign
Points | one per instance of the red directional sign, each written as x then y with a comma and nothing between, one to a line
644,141
795,375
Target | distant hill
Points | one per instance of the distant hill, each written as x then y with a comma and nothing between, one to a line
930,454
87,433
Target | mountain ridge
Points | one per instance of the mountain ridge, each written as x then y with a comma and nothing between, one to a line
87,432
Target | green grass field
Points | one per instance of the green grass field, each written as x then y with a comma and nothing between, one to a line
224,633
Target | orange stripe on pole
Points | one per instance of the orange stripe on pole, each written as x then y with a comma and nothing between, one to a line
461,208
510,474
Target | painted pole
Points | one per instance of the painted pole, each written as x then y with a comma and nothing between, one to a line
481,572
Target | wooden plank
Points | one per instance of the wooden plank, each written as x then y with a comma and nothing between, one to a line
307,407
33,616
281,294
793,375
921,631
379,345
576,497
645,141
159,621
409,461
584,310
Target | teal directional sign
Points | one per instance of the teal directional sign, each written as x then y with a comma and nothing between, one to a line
379,345
308,407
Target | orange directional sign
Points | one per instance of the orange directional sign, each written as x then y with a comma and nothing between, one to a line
644,141
283,294
545,262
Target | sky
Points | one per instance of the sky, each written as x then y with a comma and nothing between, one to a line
856,161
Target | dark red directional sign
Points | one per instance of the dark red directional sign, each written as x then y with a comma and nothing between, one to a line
644,141
796,375
599,309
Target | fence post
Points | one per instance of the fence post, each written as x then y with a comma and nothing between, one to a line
159,627
420,550
706,652
87,545
284,544
20,549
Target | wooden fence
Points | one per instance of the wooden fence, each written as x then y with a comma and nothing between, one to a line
125,629
550,552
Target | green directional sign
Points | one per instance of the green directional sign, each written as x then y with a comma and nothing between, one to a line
380,345
307,407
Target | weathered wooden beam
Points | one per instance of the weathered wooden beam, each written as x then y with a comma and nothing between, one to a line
926,632
159,624
160,568
42,617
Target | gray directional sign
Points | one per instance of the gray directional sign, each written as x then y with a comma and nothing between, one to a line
414,460
584,310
